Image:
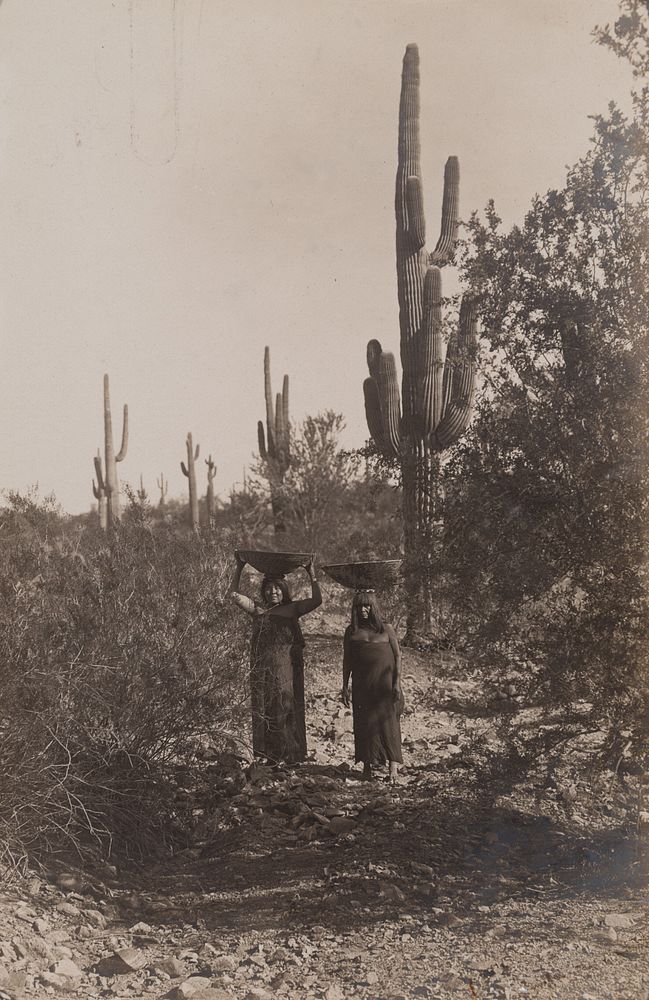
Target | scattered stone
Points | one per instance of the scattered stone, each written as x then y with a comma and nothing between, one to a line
619,921
121,962
215,993
372,978
69,909
57,936
66,967
192,987
224,963
171,967
341,824
390,891
140,928
96,918
334,993
51,979
42,949
41,926
207,950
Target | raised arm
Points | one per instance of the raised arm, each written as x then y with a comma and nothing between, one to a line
245,603
396,673
347,667
311,603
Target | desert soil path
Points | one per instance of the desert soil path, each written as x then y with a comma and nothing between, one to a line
308,882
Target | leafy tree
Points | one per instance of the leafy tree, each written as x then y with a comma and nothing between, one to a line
329,505
546,499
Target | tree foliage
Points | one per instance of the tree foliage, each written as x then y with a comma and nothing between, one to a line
546,500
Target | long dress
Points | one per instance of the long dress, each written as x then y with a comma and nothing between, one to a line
377,731
277,689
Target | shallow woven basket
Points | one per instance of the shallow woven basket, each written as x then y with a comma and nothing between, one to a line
270,563
375,575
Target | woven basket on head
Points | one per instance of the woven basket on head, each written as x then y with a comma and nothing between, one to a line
375,575
275,563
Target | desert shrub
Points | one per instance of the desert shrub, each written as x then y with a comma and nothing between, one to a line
119,663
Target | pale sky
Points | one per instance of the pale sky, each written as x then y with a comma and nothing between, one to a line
185,181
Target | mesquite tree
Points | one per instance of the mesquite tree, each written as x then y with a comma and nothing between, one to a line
189,471
111,481
437,391
275,444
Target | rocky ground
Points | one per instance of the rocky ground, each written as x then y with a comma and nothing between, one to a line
308,882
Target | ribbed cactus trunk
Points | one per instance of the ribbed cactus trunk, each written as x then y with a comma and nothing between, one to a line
163,486
111,481
189,471
437,387
420,467
99,492
210,498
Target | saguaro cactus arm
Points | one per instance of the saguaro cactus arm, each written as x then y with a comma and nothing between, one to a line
192,456
460,375
450,214
101,486
121,454
211,468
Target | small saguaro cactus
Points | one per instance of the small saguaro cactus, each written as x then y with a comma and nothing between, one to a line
141,493
163,486
437,391
275,443
111,482
210,499
99,491
189,471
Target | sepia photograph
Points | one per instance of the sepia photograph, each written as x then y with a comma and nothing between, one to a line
324,499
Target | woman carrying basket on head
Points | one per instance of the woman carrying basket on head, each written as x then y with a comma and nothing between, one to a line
277,665
372,657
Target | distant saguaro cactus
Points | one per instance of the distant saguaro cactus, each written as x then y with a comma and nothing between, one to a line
210,499
437,391
99,491
190,472
275,443
111,482
141,493
163,486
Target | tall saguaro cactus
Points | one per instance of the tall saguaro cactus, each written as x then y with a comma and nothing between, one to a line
99,492
210,498
111,482
275,443
163,486
189,471
436,390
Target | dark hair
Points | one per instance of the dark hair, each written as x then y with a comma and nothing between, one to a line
278,582
367,599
